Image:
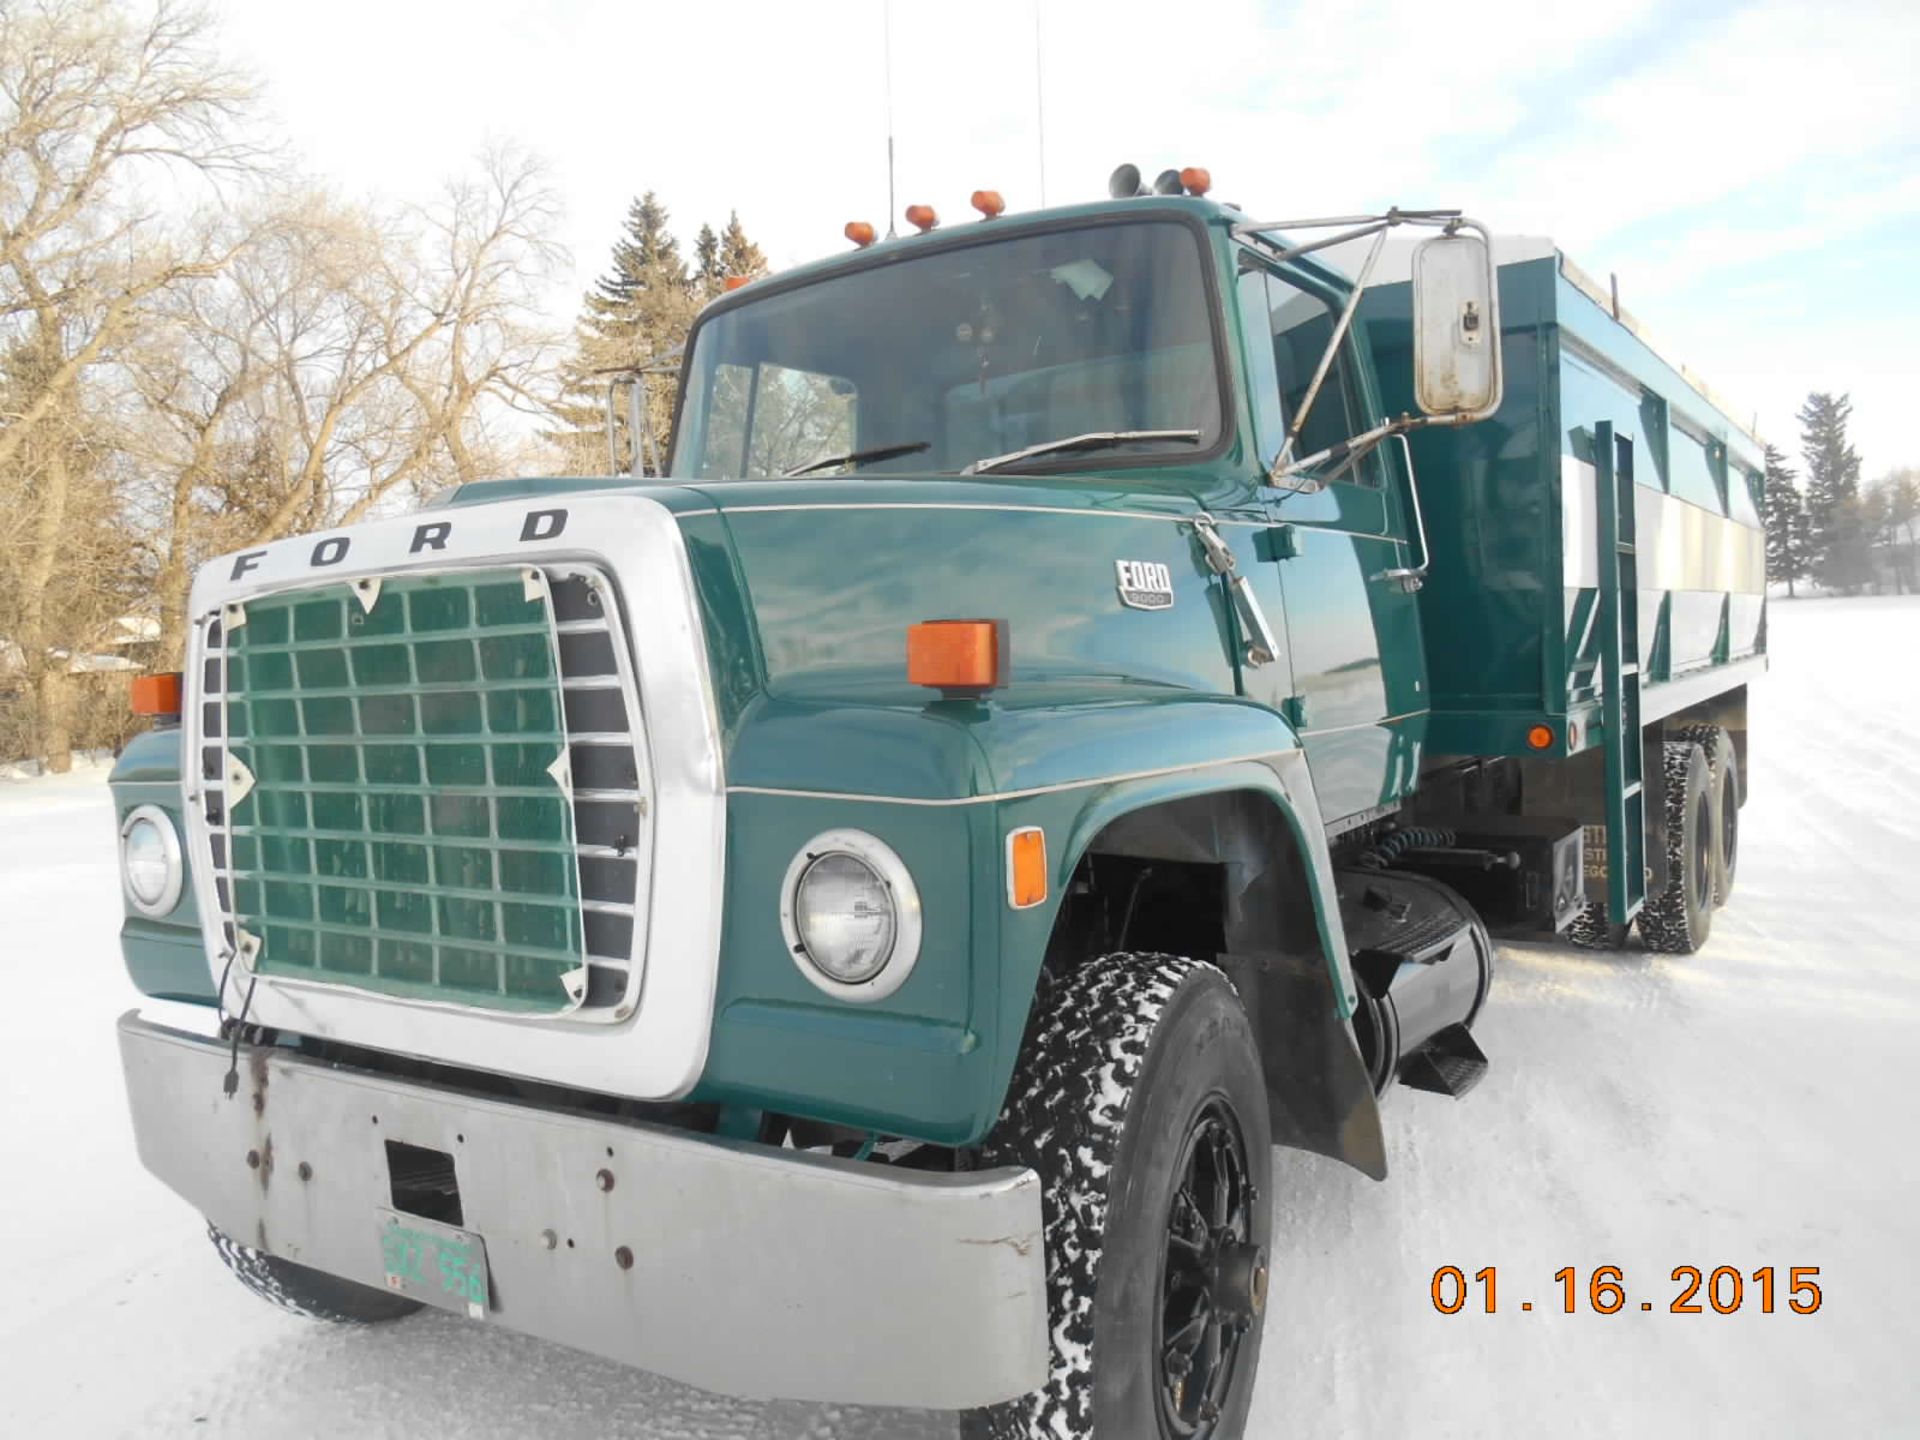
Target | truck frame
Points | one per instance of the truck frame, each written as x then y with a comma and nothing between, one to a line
852,917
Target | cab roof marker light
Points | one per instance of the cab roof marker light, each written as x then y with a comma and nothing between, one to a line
1196,179
990,203
860,232
923,217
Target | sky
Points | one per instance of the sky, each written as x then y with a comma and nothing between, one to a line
1749,171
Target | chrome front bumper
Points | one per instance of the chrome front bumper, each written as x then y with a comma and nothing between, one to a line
751,1271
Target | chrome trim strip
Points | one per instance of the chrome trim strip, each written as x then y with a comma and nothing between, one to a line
1363,724
1064,785
1219,522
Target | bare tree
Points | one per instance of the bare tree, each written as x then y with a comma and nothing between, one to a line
92,100
343,359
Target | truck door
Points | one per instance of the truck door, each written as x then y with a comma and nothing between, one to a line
1357,671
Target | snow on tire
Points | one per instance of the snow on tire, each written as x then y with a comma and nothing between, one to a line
1122,1058
1591,930
1678,919
306,1291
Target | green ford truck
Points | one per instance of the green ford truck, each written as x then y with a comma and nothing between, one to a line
852,916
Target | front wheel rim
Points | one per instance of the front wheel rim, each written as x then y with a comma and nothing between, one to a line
1214,1273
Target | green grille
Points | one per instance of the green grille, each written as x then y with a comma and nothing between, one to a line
404,833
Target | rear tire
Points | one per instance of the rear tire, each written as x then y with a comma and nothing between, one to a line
1140,1101
306,1291
1678,920
1591,930
1725,787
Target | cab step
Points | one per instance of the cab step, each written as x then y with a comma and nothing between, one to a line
1451,1063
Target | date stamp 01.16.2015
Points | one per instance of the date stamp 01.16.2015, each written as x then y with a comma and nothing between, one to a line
1722,1290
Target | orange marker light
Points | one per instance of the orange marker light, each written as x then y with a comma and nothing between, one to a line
1026,867
1540,737
922,217
1197,179
988,203
734,282
958,657
156,694
860,232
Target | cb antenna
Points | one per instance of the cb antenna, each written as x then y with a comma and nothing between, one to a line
1040,101
886,69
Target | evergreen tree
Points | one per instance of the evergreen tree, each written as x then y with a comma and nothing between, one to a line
739,255
708,277
1785,514
637,313
1837,523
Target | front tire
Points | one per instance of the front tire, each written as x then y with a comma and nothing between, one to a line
1140,1101
306,1291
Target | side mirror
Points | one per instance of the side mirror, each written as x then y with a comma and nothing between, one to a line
1456,326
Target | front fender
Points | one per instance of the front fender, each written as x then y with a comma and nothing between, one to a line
164,955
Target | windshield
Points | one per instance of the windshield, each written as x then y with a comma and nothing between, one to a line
960,355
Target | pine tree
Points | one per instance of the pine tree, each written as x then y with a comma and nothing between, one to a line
1836,521
638,312
708,276
1785,515
739,255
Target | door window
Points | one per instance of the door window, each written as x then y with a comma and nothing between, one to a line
1298,326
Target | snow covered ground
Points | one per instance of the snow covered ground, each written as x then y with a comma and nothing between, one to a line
1753,1105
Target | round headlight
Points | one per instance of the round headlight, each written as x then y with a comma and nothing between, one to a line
150,867
851,915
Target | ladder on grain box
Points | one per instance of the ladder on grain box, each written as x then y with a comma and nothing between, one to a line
1620,675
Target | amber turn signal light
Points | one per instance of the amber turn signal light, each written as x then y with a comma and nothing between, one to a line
922,217
989,203
156,694
860,232
1540,737
1196,179
1026,867
959,657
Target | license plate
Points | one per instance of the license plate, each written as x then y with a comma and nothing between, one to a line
438,1264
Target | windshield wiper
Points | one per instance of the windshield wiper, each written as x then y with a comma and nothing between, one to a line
858,457
1092,440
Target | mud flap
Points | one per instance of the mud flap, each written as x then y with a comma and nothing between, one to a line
1319,1094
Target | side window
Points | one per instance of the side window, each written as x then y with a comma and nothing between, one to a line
769,419
723,449
1300,325
1269,423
